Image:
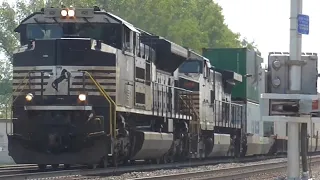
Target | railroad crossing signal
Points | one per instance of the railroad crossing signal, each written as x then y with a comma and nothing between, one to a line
278,73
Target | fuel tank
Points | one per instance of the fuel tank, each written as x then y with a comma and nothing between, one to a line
151,145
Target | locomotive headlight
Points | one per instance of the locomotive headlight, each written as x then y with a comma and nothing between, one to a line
82,97
276,82
29,97
64,12
71,13
277,64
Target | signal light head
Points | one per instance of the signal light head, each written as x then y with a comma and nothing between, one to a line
276,82
64,12
71,12
277,64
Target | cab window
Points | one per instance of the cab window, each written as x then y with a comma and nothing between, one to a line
191,67
43,31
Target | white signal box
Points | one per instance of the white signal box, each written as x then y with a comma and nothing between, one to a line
307,104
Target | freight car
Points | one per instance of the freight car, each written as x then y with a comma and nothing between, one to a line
90,88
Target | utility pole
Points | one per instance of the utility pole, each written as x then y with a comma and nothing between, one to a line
294,85
286,100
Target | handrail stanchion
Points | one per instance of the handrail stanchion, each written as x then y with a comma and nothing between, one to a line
23,83
111,102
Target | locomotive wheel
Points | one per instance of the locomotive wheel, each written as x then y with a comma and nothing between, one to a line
167,159
125,162
156,161
42,166
91,166
103,163
55,166
114,161
132,162
66,166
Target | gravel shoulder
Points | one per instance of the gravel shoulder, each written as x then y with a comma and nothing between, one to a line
315,172
266,176
134,175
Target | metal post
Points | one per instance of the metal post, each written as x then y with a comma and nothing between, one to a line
295,85
304,150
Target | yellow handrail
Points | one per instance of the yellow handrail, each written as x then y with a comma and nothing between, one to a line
110,100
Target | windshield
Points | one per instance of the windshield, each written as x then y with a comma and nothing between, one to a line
43,31
190,67
49,31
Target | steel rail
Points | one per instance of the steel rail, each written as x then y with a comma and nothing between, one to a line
17,166
24,169
227,173
114,171
126,169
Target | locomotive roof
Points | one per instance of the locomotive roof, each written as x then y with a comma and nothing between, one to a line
168,52
52,16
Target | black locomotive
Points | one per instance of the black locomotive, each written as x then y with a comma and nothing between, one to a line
90,88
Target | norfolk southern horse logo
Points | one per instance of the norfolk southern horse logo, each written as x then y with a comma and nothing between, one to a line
63,76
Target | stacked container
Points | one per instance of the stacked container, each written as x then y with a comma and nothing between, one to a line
247,63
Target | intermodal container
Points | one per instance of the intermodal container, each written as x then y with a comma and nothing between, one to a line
243,61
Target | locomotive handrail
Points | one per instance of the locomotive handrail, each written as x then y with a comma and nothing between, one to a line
7,102
193,109
176,88
24,85
25,77
110,100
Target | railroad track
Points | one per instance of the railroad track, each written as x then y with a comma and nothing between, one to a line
228,173
31,172
12,169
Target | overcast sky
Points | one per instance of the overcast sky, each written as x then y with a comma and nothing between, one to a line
267,23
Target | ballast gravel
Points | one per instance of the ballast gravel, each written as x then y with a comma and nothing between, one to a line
315,172
281,175
133,175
